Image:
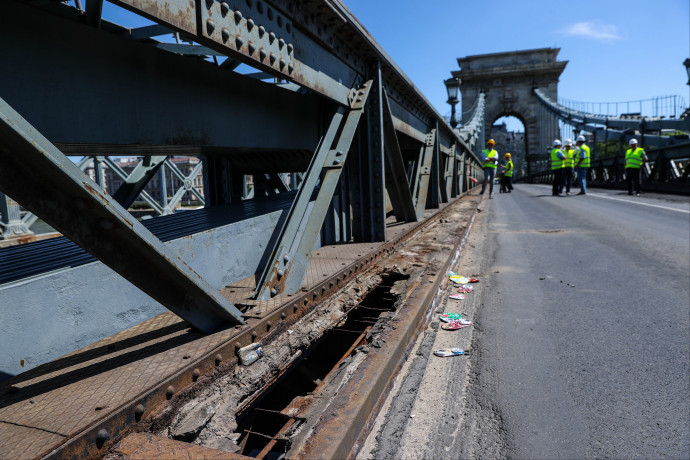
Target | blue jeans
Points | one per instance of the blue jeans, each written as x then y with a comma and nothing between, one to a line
489,174
582,178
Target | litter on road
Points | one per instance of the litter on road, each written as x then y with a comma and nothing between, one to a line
456,324
444,352
448,317
465,288
457,296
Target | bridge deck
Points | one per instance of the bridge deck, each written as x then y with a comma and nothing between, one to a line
65,403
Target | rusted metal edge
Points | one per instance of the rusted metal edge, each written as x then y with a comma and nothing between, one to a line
337,436
162,399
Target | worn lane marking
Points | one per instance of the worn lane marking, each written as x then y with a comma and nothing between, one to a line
640,203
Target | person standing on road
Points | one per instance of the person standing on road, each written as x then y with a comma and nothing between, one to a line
506,180
568,163
557,158
634,159
583,157
489,160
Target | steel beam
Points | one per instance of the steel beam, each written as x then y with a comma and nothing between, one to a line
11,223
424,173
135,182
291,254
397,185
367,171
66,199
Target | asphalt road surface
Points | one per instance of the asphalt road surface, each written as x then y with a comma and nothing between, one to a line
581,342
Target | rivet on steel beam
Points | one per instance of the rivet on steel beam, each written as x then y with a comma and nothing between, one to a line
281,63
280,273
281,43
336,162
138,412
225,34
271,37
209,3
254,335
238,15
283,315
169,392
210,26
251,48
290,68
286,258
290,47
268,326
101,437
106,224
262,31
274,292
218,359
262,54
294,309
238,42
250,24
196,373
238,345
224,8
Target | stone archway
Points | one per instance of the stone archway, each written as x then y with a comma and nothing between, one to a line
508,80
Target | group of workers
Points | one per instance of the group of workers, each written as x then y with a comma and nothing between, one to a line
490,164
563,161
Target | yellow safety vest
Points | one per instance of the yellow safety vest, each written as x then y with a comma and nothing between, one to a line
569,161
491,158
509,169
634,158
556,163
585,160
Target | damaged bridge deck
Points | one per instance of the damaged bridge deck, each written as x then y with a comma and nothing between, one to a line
156,378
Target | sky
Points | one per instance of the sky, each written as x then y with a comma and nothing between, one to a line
617,50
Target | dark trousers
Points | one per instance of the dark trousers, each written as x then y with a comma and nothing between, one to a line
489,174
557,186
567,178
506,184
633,176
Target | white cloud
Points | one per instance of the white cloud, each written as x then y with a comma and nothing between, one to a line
594,30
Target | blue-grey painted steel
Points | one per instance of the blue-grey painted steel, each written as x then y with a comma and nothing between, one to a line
133,183
11,223
290,258
397,185
424,173
50,314
73,204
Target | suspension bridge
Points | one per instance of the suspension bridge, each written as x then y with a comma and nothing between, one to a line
238,173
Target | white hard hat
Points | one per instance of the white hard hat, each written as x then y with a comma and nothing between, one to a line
568,142
580,139
633,141
556,143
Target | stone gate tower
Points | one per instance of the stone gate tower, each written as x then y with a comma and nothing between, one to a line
507,80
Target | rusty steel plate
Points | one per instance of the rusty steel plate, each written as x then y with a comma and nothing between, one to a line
78,405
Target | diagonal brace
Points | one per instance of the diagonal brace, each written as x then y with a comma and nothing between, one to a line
45,181
290,258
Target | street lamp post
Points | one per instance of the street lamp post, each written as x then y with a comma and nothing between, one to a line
686,63
452,86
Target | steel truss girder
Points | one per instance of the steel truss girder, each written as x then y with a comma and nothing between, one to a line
424,172
397,184
38,175
367,172
135,181
290,257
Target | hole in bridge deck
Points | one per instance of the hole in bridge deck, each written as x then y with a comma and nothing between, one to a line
261,424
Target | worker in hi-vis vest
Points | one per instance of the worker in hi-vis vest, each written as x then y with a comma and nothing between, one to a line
506,180
634,159
489,160
582,165
568,164
557,158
